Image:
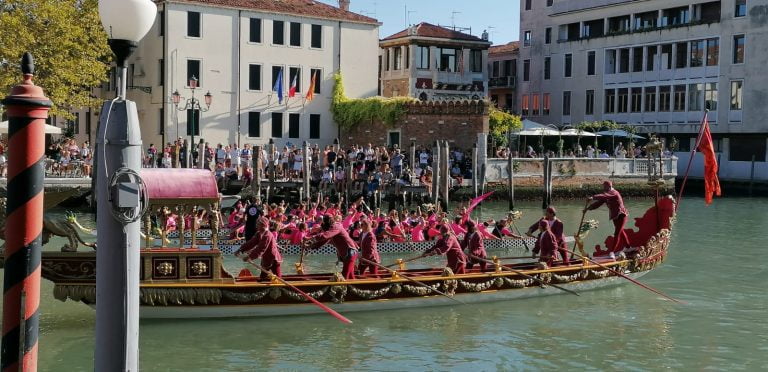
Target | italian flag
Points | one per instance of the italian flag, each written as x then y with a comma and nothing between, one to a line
292,89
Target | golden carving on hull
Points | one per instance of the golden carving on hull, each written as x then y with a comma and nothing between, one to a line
199,268
165,268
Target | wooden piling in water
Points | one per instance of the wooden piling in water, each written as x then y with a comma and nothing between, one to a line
258,170
435,172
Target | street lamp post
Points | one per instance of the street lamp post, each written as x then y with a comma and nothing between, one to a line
194,105
119,197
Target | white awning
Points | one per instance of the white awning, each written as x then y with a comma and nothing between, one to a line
49,129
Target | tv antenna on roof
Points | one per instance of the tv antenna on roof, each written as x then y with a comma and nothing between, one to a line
453,19
407,15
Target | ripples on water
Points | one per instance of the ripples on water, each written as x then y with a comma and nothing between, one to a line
717,265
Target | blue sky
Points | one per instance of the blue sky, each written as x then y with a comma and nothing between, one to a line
500,17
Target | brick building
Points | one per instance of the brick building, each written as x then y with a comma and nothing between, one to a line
431,62
462,123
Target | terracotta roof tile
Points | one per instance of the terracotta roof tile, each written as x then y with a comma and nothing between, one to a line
307,8
505,48
429,30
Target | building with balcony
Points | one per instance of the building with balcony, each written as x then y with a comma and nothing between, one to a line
237,50
502,72
654,64
431,62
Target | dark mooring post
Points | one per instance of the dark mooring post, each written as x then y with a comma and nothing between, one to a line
545,179
436,172
258,170
446,165
305,170
272,167
475,173
511,170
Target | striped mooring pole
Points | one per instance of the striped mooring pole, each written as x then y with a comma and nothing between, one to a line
27,109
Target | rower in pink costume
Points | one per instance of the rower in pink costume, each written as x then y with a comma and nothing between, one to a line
616,213
546,244
473,244
556,227
449,246
346,248
368,248
263,245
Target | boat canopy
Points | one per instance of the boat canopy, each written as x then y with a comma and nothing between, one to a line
174,186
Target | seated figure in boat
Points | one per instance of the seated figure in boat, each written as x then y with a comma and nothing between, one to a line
501,230
473,244
556,227
546,244
617,213
263,245
368,248
449,246
346,248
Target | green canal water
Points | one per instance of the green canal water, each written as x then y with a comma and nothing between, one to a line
718,265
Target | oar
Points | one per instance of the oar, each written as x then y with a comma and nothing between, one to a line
518,272
411,280
405,261
628,278
299,291
516,258
523,237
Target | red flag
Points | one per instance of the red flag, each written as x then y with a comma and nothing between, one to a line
476,201
711,182
292,89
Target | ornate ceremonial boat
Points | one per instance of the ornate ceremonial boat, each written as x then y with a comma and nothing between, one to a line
194,283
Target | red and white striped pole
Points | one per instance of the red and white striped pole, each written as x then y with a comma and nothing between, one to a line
27,109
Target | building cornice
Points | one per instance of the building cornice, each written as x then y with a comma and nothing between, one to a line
219,6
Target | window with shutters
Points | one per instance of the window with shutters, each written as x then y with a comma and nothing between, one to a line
294,126
314,126
193,24
317,36
254,77
278,32
277,125
254,34
295,34
254,124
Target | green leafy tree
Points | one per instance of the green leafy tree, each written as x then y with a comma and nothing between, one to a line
68,43
500,122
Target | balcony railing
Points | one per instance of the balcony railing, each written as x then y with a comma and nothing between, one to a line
642,30
502,82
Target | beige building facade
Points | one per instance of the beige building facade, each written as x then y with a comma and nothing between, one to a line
432,62
654,64
502,75
237,49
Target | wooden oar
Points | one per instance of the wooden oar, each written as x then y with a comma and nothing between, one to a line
405,261
521,235
628,278
303,294
517,258
518,272
411,280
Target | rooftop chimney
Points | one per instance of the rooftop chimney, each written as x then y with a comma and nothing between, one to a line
344,4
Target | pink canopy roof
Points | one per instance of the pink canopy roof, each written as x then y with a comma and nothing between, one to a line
179,183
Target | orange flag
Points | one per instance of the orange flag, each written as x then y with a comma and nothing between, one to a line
706,147
311,91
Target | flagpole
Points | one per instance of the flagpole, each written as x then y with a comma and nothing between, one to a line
690,160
